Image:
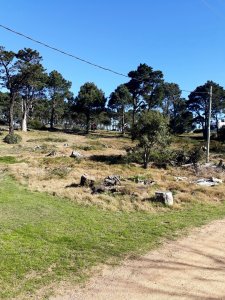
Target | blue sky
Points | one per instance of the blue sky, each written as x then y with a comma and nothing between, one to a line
182,38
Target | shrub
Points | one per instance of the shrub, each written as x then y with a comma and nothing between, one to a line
36,124
152,133
12,139
195,155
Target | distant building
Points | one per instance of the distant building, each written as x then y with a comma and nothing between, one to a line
221,123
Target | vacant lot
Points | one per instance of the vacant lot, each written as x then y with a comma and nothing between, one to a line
52,230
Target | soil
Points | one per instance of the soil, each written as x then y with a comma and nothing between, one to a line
190,268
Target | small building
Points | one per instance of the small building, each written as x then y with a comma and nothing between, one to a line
221,123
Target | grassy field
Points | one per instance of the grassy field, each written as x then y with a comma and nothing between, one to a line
45,238
50,231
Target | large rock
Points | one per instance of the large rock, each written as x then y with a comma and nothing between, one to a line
164,197
86,180
76,154
111,180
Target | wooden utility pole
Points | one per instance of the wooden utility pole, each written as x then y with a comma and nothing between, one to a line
208,125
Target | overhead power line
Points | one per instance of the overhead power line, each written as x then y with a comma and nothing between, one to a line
63,52
76,57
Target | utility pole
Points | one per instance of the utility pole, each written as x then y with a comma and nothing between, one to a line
208,125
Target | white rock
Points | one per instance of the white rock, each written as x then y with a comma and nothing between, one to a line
76,154
164,197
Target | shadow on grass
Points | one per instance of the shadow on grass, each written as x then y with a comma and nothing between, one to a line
109,159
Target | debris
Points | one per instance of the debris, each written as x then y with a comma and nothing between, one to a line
164,197
112,180
52,153
76,154
179,178
146,182
86,180
102,189
221,165
37,147
212,181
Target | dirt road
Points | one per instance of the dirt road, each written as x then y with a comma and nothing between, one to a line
190,268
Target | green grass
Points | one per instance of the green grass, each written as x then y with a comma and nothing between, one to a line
45,238
8,160
48,139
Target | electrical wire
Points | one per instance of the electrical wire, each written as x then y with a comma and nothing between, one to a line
78,58
63,52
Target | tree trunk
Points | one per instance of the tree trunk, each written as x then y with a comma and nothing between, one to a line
87,123
123,121
52,115
24,116
133,116
217,128
11,113
134,111
146,158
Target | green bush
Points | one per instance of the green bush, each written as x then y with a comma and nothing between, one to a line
12,139
36,124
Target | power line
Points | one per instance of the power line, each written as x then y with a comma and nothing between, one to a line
78,58
63,52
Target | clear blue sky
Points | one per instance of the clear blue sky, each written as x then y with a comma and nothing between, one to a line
185,39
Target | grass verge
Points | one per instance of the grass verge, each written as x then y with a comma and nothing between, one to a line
45,238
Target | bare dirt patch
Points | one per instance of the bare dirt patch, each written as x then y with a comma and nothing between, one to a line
190,268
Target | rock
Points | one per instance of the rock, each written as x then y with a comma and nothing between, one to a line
52,153
98,189
86,180
179,178
209,181
112,180
164,197
37,147
221,165
216,180
102,189
76,154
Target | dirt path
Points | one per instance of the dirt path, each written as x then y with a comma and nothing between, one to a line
190,268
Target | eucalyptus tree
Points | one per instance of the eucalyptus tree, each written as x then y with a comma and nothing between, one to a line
9,80
120,100
90,101
33,80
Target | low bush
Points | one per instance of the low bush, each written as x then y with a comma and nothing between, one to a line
165,157
12,139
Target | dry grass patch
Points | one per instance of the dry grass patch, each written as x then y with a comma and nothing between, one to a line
103,156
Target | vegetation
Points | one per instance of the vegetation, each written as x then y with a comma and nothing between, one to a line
12,138
152,134
59,239
63,236
39,100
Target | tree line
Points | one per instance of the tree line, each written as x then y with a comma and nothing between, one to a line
34,97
